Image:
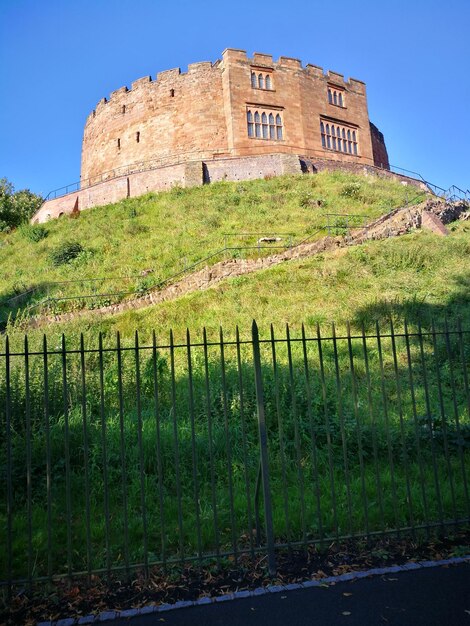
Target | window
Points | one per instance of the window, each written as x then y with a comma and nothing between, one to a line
251,128
264,125
336,96
339,138
172,93
137,137
123,109
261,81
119,144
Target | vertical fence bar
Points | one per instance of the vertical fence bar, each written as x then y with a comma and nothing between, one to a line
328,432
263,439
430,426
282,446
387,429
228,447
456,417
409,498
193,444
373,425
143,505
211,447
358,431
104,453
443,422
68,494
339,394
48,459
122,439
296,437
85,457
176,446
29,494
416,429
244,444
159,447
9,469
313,438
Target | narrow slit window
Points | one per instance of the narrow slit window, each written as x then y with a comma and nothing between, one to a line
137,136
272,127
123,109
257,125
264,121
119,144
172,93
249,118
278,127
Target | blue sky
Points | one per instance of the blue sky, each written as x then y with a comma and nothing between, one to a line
59,57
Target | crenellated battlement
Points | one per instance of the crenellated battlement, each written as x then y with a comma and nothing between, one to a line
234,107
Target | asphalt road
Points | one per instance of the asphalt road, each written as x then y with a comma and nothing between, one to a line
434,596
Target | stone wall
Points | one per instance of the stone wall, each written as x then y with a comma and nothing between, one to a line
202,114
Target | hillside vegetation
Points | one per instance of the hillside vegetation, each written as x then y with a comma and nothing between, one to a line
159,234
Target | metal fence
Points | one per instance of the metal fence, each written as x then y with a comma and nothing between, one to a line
117,457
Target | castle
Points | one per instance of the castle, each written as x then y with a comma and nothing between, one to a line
235,119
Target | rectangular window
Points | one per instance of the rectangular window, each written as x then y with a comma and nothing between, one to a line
336,96
339,137
264,124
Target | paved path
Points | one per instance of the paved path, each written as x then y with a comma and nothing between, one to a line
438,596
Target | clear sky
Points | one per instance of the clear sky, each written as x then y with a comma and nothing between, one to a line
58,58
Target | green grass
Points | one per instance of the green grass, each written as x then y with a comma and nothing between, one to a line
420,276
164,232
384,452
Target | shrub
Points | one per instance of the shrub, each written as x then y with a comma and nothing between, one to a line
351,190
66,252
33,232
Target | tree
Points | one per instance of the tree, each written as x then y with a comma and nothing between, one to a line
16,207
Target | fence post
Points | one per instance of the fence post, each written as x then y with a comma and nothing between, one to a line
263,442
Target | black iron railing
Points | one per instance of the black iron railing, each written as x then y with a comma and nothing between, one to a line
117,457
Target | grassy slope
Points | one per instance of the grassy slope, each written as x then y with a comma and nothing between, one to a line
164,231
398,277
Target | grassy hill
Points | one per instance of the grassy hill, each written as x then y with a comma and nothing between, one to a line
159,234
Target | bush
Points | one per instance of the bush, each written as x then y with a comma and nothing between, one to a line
34,232
66,252
351,190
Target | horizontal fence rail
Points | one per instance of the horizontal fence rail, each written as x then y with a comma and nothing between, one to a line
118,457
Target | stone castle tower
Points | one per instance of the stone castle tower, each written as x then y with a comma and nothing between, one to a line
234,119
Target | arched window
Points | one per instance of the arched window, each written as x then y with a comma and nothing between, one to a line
253,80
338,133
335,97
354,142
328,139
268,81
261,81
257,125
349,142
330,96
278,127
340,99
322,132
249,119
264,121
272,128
333,137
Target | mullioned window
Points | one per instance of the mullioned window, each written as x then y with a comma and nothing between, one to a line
339,137
336,97
260,80
264,125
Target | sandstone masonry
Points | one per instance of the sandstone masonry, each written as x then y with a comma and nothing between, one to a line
234,119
